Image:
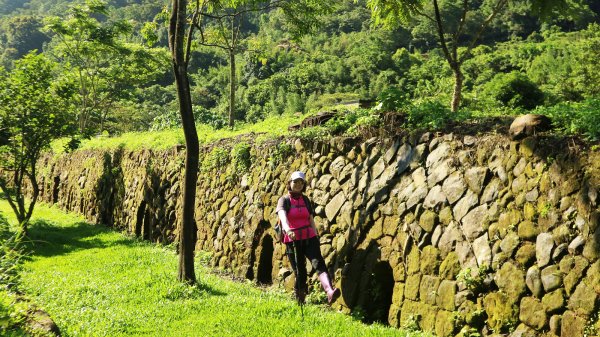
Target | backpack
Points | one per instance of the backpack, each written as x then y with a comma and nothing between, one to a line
287,204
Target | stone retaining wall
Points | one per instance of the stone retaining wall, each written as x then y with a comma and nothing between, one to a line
455,234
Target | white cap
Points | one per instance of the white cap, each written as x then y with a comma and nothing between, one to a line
298,175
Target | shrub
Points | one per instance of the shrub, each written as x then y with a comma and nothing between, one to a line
428,115
241,158
217,158
514,90
10,255
576,118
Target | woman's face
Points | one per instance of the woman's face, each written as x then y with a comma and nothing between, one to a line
297,185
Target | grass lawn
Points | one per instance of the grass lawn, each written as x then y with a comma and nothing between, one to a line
96,282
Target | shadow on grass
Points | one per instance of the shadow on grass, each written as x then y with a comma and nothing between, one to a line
46,239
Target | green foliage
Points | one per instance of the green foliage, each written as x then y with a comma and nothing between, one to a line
281,153
32,114
473,279
241,158
12,315
217,158
514,90
575,118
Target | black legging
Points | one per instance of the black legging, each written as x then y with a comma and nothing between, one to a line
306,249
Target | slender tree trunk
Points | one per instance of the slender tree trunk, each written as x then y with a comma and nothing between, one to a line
458,84
187,232
232,87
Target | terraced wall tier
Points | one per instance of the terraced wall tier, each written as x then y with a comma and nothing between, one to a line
450,234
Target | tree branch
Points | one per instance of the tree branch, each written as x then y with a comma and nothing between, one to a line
499,5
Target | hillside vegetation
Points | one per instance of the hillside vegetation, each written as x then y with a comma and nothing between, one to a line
519,65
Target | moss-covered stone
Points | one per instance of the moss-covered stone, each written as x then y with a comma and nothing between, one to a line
444,324
572,324
428,289
572,267
445,295
511,281
528,230
502,312
532,313
411,287
450,267
430,260
428,220
554,301
525,255
413,261
390,225
445,215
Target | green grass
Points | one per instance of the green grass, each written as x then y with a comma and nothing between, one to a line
96,282
271,127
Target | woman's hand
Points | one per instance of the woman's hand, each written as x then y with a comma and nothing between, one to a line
291,234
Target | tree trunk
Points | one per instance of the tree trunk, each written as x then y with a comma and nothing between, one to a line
231,87
458,83
187,231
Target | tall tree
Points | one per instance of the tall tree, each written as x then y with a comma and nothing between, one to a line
180,39
452,34
32,114
103,68
220,24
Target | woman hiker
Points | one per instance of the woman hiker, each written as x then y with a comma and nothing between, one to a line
300,237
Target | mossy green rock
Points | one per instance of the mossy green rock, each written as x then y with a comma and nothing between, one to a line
430,260
411,287
554,301
428,289
525,255
501,311
444,324
528,230
428,220
450,267
445,215
511,281
532,313
413,261
445,295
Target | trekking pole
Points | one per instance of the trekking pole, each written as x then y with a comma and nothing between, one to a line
297,270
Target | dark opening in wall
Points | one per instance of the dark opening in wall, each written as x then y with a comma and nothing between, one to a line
380,290
147,231
140,219
55,189
265,262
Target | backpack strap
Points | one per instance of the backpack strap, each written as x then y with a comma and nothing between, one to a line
308,205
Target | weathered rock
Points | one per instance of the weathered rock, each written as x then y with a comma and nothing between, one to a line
462,207
551,278
534,281
435,199
544,244
333,207
454,187
475,222
482,251
475,177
